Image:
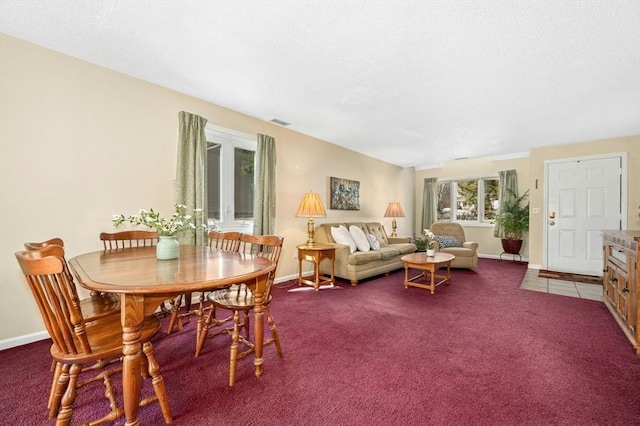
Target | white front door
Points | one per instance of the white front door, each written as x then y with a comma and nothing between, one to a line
583,198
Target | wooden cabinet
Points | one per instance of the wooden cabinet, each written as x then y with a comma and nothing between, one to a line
620,281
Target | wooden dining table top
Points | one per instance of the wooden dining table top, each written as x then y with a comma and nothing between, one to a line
137,271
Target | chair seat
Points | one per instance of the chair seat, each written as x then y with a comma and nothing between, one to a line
238,298
105,338
99,306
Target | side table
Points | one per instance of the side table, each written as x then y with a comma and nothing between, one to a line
316,254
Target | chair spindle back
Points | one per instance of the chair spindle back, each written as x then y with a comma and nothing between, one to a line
268,246
50,283
128,239
224,241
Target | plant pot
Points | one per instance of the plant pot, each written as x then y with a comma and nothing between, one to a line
511,246
167,248
431,252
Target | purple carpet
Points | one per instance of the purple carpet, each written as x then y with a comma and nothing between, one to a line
478,352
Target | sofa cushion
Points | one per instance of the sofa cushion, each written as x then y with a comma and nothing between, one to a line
364,257
373,242
446,241
388,252
404,248
341,235
362,243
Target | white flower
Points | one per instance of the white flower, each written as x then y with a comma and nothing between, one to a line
179,220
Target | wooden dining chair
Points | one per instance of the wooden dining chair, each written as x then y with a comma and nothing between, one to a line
239,298
224,241
78,347
125,239
99,304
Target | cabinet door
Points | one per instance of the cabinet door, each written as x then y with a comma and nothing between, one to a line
632,294
609,284
621,296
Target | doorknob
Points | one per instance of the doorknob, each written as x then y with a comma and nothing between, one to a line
552,215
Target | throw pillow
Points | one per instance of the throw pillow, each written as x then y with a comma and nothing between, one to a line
341,235
373,242
358,236
448,241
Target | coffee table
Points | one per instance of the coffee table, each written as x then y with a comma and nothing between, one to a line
431,264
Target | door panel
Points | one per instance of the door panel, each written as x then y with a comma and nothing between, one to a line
583,198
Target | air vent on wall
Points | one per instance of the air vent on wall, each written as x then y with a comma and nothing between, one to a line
280,122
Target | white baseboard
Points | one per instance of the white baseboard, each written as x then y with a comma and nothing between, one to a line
505,256
23,340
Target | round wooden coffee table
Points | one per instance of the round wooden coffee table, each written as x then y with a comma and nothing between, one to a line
431,264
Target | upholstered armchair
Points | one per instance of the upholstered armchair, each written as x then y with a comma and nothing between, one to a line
450,239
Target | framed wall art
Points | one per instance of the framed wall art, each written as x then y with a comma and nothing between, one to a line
345,194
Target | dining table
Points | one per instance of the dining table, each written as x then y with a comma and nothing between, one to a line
143,282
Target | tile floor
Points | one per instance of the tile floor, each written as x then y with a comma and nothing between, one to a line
532,282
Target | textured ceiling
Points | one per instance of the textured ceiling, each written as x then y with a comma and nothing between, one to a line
411,83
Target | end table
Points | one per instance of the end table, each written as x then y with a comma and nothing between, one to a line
316,253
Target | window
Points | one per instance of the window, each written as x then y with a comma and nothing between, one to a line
468,200
230,178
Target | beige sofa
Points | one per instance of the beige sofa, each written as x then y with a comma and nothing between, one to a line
359,265
467,255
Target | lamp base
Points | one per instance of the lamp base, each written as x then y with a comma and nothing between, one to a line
311,231
394,226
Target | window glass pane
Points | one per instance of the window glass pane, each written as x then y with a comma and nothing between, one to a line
467,200
444,201
213,180
243,184
491,196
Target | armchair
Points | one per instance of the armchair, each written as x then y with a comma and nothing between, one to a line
466,254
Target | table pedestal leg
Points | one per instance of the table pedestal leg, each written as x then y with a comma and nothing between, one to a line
132,314
258,323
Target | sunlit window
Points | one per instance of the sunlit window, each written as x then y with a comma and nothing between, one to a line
230,179
468,200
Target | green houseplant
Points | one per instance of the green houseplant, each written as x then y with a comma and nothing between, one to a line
514,222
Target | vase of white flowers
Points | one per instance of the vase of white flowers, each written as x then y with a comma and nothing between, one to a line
168,246
431,242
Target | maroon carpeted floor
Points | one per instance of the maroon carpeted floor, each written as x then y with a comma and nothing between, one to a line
478,352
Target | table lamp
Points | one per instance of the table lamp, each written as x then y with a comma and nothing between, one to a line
394,209
311,206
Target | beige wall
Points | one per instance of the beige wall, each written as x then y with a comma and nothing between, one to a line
79,143
529,170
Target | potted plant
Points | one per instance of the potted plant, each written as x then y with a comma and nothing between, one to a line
425,243
514,222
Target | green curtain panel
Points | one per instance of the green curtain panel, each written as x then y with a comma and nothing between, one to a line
508,179
429,203
264,222
191,174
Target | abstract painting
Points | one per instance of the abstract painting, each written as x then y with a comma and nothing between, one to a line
345,194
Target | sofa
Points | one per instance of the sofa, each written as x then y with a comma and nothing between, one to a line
466,252
357,265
